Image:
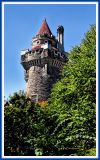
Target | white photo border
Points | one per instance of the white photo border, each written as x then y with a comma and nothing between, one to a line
2,127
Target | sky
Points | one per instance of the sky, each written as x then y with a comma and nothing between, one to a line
22,22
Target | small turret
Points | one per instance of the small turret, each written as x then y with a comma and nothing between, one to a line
60,37
45,29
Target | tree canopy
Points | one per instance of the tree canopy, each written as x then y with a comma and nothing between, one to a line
73,97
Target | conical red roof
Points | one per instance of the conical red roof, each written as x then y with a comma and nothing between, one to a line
45,29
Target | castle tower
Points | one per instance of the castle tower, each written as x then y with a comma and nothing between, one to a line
43,62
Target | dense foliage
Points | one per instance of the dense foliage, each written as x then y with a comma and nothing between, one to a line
25,127
66,124
73,99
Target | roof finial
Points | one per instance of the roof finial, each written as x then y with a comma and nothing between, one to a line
45,19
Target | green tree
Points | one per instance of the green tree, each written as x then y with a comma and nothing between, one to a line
24,122
73,100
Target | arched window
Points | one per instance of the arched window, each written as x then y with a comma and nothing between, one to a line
46,41
38,42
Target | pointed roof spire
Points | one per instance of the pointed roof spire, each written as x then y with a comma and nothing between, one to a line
45,29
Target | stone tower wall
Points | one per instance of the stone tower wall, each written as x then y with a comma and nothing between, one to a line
40,81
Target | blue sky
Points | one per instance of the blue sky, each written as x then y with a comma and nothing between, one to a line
22,22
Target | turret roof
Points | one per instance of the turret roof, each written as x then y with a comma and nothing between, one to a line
45,29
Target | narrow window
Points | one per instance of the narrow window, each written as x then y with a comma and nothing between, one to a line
38,42
46,41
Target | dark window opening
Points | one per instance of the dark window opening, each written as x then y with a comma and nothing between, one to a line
38,42
46,41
